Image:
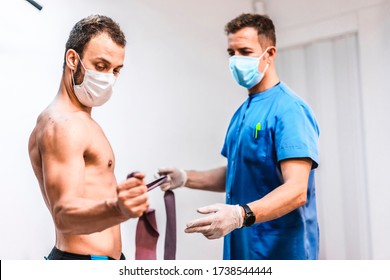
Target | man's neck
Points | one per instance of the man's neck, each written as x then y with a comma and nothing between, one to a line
67,96
270,80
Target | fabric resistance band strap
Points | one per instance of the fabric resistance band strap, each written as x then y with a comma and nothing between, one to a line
147,232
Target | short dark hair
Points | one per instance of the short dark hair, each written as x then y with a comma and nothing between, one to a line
262,23
90,27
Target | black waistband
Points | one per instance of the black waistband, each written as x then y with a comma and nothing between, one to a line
57,254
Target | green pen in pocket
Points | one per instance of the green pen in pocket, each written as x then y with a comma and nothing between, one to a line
258,128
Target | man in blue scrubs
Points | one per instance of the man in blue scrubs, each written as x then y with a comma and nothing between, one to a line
272,151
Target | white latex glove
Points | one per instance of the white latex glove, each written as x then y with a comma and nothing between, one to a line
224,219
176,178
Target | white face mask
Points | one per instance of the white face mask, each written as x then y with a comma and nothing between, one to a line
96,88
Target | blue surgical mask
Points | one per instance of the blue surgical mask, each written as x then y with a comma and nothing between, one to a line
245,70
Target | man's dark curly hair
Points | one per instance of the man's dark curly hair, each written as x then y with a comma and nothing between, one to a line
262,23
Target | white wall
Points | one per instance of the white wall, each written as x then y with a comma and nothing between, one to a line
172,105
304,22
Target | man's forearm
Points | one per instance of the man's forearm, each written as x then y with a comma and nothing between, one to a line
210,180
287,197
85,216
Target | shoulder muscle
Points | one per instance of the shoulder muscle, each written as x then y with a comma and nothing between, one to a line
64,138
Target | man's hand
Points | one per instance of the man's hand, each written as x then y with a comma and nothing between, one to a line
132,196
224,219
176,178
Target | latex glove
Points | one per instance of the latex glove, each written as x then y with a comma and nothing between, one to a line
224,219
176,178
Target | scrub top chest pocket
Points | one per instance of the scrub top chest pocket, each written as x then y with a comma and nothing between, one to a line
255,142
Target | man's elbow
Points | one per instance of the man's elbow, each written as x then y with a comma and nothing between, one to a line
302,196
301,201
63,221
59,219
66,222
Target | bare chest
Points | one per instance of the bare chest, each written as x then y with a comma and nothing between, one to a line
99,153
99,178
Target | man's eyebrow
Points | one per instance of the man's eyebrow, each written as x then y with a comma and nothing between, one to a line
245,49
240,49
103,59
107,62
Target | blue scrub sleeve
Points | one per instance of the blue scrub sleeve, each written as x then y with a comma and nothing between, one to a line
296,134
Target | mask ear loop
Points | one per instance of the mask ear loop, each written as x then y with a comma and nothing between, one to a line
81,62
73,78
74,83
266,67
261,56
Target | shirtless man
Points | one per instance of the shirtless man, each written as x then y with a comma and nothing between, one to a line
72,158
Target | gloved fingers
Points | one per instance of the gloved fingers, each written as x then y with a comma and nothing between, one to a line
165,170
209,231
165,186
210,208
206,221
211,235
198,229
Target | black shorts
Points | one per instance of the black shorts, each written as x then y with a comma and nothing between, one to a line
57,254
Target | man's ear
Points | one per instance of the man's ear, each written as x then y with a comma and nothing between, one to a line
271,53
72,59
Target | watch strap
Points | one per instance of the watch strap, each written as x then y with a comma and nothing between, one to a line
249,217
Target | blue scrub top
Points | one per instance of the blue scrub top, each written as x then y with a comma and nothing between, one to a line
269,127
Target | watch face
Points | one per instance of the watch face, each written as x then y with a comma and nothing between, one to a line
250,220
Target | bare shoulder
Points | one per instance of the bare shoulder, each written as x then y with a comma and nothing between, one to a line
59,132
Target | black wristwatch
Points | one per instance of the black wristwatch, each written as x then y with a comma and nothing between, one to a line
249,218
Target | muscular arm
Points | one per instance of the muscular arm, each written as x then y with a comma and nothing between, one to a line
62,147
210,180
287,197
